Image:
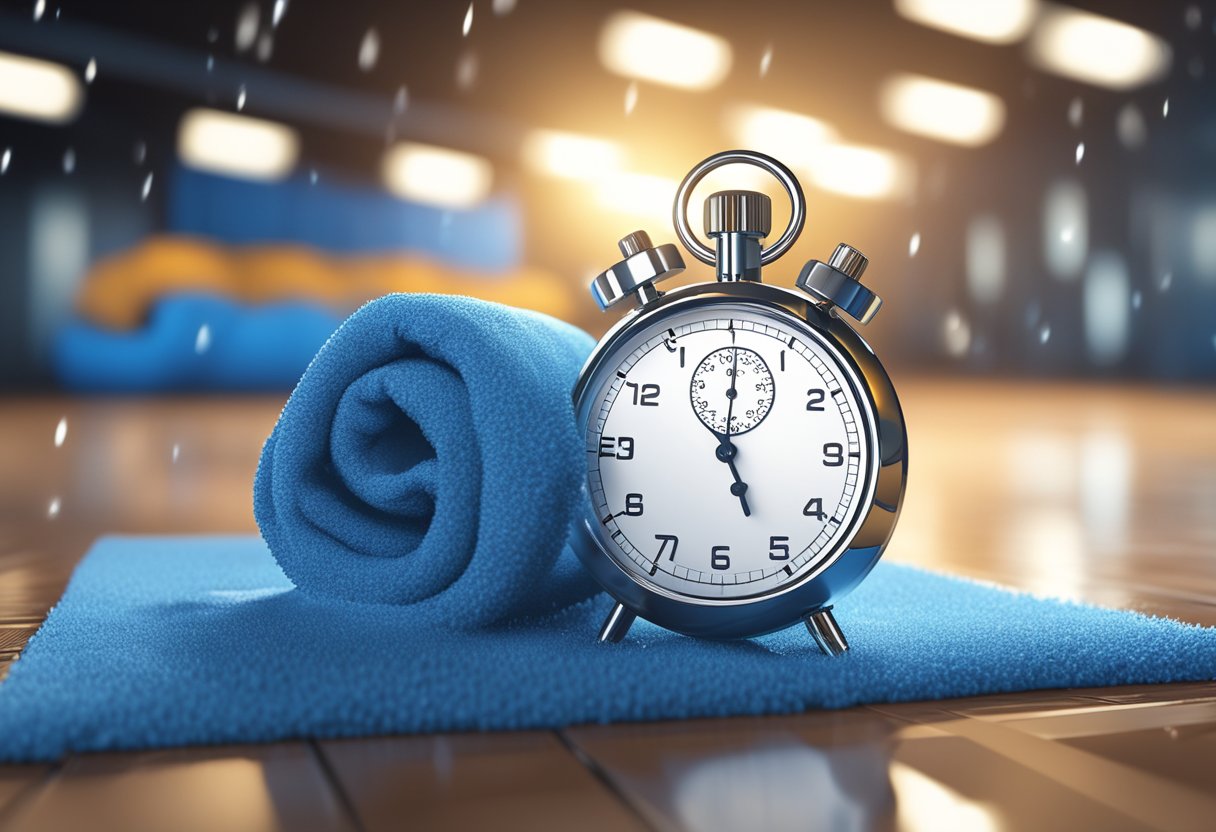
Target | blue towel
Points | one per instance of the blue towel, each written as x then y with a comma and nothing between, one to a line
181,641
428,457
263,347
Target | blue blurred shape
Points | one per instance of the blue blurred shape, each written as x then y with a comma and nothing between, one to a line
196,343
342,218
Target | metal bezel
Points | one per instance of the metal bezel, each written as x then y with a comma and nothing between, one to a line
841,571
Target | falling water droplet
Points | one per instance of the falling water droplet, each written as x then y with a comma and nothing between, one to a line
202,341
5,159
1165,108
213,34
956,334
177,451
766,60
312,176
39,9
69,160
1080,152
631,98
1137,299
466,71
1167,280
211,63
147,188
61,431
503,7
52,509
247,26
1076,112
401,100
240,98
1193,17
467,26
265,47
140,153
914,244
1130,127
280,9
1044,333
90,71
369,50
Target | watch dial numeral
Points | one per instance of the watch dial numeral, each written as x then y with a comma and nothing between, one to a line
681,357
815,399
645,395
778,547
783,361
633,505
664,539
833,455
814,508
616,447
719,557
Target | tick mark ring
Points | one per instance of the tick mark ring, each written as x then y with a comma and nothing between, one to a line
783,175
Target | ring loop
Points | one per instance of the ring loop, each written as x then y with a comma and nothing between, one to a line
779,171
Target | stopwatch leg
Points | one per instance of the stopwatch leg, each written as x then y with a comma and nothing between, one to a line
617,624
822,625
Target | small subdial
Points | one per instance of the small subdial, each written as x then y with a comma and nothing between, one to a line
734,381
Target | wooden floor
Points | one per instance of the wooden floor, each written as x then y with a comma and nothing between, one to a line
1105,494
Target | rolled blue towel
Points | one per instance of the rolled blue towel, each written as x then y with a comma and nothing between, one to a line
429,457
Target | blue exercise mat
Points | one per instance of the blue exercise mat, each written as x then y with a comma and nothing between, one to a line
196,640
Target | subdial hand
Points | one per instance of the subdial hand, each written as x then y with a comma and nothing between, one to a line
726,449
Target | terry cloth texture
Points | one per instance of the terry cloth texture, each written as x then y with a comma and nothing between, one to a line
429,458
180,641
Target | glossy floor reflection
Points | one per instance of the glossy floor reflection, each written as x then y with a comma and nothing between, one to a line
1102,494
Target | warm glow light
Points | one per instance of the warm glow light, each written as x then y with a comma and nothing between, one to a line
437,175
38,90
861,172
941,110
638,195
649,48
225,143
570,156
791,137
1098,50
990,21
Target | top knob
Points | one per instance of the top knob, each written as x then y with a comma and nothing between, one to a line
744,212
836,284
645,264
849,260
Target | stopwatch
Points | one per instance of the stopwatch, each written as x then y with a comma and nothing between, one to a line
746,452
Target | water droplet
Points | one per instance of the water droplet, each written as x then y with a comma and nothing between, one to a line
61,431
1165,108
1193,17
247,26
177,451
467,26
265,47
1130,126
52,509
956,334
5,159
280,9
631,98
312,176
202,341
90,71
140,153
1044,333
766,60
1166,281
503,7
369,50
466,71
401,100
211,63
240,98
213,34
69,160
147,188
39,9
1076,112
1080,154
914,244
1137,299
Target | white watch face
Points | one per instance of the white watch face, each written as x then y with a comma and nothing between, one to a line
729,453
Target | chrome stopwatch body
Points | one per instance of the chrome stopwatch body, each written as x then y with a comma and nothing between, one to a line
747,455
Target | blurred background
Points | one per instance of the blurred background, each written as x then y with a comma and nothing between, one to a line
192,196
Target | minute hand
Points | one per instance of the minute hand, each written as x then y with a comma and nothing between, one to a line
726,449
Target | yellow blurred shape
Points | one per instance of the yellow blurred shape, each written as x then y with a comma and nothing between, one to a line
861,172
941,110
235,145
437,175
648,48
121,289
638,195
570,155
38,90
791,137
989,21
1097,50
